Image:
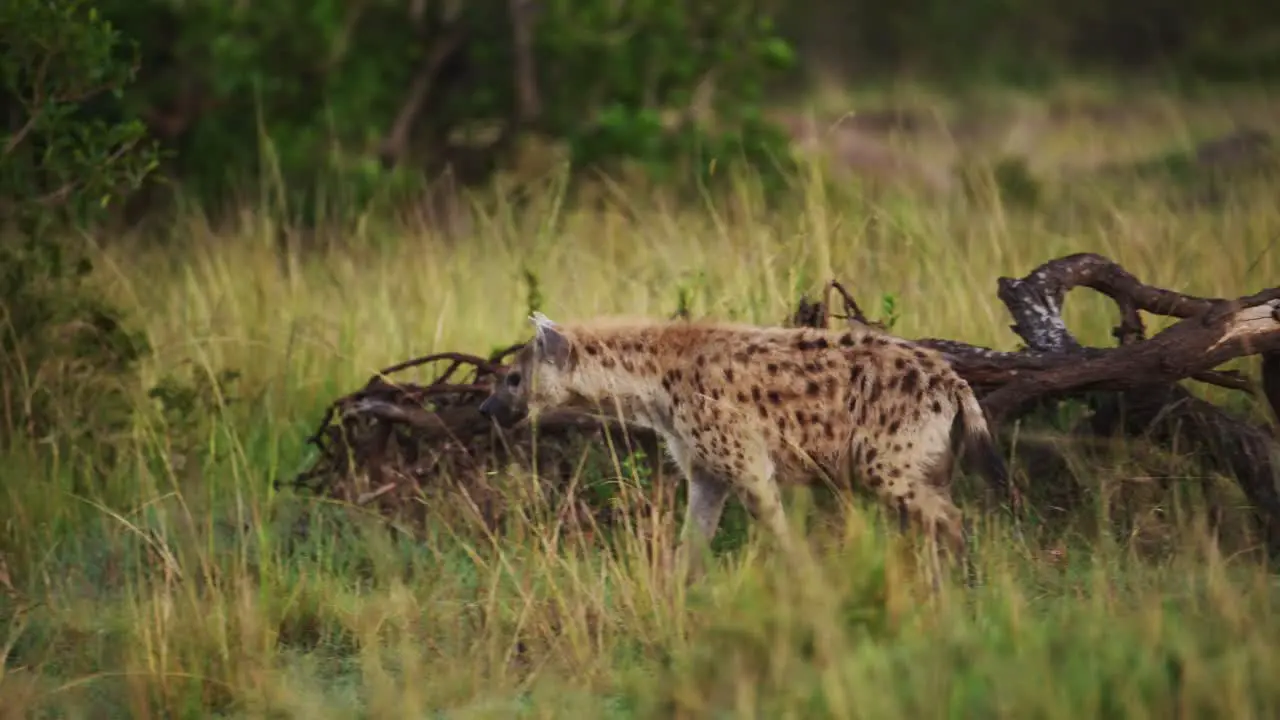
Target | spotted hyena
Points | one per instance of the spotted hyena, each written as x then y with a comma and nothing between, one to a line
743,407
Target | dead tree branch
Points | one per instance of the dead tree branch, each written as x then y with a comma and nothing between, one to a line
403,435
1145,371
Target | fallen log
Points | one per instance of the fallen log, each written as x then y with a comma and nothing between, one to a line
407,436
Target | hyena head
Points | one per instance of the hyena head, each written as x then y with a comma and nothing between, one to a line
537,377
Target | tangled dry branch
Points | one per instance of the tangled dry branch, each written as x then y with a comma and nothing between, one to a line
395,443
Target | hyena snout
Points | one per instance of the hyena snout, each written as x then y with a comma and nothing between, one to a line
502,411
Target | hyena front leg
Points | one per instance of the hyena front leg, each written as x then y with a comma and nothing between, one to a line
748,469
704,505
754,475
706,497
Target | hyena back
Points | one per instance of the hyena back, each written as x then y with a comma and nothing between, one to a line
742,408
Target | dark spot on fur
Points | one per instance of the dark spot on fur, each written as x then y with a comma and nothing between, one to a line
812,388
702,361
875,482
900,363
876,390
813,367
803,345
936,406
855,372
911,381
846,340
772,368
920,354
607,363
728,374
800,418
755,393
742,397
592,349
774,397
821,343
871,455
893,427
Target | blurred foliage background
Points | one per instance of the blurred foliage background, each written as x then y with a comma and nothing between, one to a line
347,97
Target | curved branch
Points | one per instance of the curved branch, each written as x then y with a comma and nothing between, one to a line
1035,301
1186,349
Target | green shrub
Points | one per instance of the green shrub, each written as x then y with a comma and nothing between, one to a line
304,95
68,152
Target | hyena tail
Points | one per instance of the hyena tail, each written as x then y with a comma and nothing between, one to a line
980,450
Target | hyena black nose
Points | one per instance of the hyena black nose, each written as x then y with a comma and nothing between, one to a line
487,407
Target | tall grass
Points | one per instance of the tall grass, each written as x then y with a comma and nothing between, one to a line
180,586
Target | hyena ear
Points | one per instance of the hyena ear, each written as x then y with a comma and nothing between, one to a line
549,343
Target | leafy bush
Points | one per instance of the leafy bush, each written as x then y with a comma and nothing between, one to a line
67,154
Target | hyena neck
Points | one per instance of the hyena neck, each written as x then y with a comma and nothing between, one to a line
619,370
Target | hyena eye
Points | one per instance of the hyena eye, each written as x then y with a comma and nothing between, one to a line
513,380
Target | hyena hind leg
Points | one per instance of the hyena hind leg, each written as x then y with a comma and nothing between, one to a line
911,489
943,525
939,477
